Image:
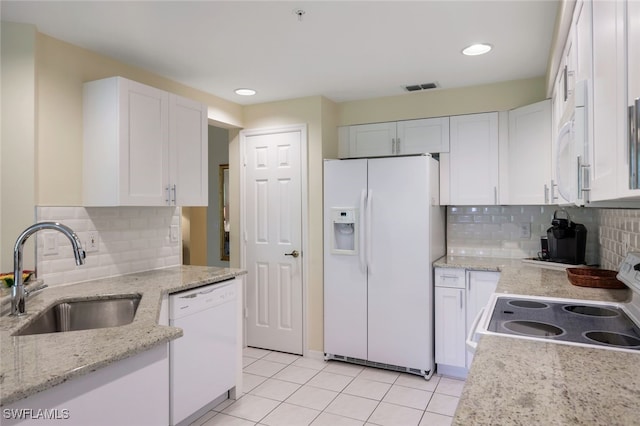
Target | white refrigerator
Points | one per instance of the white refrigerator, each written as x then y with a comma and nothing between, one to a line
383,228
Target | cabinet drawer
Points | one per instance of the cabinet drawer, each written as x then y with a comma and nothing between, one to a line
450,277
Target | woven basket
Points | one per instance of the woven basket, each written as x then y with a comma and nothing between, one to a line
592,277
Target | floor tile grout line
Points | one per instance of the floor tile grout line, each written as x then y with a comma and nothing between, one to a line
341,392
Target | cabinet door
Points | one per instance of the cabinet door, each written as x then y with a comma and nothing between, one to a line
529,154
480,286
473,162
608,92
450,326
144,144
423,136
188,178
632,152
372,140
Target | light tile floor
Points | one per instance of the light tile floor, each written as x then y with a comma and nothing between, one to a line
289,390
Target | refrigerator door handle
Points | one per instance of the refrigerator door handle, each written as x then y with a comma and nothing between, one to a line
368,227
363,259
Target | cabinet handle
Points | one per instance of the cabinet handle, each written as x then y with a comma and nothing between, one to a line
495,195
546,194
461,296
175,194
168,198
398,146
634,144
566,86
582,172
393,146
554,197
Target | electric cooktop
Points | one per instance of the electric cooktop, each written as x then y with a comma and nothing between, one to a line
574,322
567,321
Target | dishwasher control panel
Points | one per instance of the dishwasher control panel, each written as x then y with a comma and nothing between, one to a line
197,299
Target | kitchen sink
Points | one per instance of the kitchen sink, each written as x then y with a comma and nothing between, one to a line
84,315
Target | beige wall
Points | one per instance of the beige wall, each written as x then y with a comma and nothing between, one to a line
320,116
442,102
62,69
17,149
194,236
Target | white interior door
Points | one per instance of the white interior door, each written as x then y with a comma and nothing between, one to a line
273,239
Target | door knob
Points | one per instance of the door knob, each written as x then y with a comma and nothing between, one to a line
294,253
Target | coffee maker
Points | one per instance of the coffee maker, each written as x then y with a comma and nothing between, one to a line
566,240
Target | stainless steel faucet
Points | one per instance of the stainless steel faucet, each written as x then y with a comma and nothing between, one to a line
18,306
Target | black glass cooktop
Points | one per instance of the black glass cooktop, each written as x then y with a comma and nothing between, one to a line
569,322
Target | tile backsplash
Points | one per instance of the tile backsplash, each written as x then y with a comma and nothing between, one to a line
619,234
130,239
511,231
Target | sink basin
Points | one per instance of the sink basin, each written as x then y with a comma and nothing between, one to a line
84,315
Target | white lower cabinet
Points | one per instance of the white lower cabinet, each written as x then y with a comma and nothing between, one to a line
134,391
459,297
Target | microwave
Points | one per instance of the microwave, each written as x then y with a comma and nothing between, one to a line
572,148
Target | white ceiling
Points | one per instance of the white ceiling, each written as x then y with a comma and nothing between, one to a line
343,50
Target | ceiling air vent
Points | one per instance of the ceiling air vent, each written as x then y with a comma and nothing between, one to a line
418,87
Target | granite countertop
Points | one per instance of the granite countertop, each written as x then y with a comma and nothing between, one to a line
30,364
523,382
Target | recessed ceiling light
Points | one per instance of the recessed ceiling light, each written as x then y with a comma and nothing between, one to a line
477,49
245,92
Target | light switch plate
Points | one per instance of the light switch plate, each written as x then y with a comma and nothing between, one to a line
50,244
91,243
525,230
174,234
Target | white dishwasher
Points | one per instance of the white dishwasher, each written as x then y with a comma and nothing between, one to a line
203,360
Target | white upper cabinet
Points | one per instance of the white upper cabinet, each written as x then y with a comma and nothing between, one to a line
394,138
188,143
471,169
630,170
528,166
609,109
372,140
142,146
421,136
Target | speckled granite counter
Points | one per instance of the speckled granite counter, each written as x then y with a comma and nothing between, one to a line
521,382
31,364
